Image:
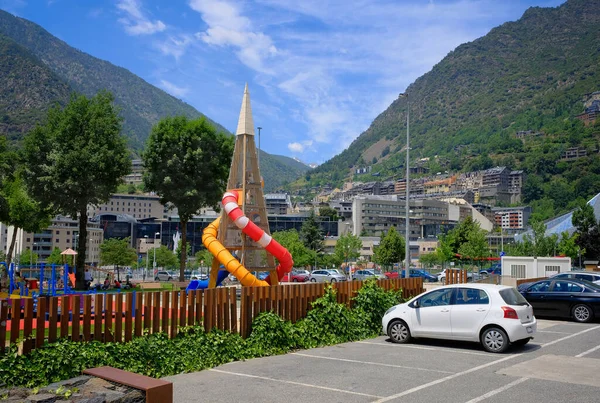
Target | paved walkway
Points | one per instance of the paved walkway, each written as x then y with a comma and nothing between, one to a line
560,365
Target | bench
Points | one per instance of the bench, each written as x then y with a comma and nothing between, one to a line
156,390
150,286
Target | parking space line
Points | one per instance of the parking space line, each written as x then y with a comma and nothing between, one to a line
496,391
372,363
452,350
570,336
553,332
308,385
591,350
446,378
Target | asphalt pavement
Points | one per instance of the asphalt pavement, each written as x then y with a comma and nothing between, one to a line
561,364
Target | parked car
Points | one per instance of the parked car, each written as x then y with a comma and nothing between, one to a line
495,270
300,276
564,298
196,275
581,275
414,273
360,275
442,276
494,315
163,275
326,276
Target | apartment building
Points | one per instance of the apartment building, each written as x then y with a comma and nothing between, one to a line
512,217
278,203
135,205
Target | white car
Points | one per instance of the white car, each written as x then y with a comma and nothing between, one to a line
494,315
163,275
326,276
579,275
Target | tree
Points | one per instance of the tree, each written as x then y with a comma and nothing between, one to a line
347,248
187,164
588,231
390,249
311,234
178,251
22,211
429,259
476,246
290,240
55,257
117,252
204,258
164,257
327,211
28,258
76,159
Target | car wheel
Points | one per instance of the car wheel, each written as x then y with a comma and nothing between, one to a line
582,313
399,332
333,280
521,342
294,280
156,279
313,280
170,279
443,280
494,340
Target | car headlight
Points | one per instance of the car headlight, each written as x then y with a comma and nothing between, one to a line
391,309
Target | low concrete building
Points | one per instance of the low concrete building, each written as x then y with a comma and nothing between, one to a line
532,267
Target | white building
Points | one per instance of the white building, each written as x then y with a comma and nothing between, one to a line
531,267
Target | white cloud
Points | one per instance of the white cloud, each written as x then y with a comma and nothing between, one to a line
135,21
173,89
12,6
299,148
174,45
228,27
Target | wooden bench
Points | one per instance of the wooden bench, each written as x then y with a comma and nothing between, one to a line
156,390
150,286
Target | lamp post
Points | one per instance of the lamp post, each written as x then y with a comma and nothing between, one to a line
145,268
407,224
154,260
36,259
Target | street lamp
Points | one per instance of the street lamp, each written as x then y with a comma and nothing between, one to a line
154,260
146,268
407,251
36,259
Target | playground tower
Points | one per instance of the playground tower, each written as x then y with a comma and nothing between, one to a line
244,175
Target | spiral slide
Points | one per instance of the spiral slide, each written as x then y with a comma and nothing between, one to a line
210,241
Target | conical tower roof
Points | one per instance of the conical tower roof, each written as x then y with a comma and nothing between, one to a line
245,122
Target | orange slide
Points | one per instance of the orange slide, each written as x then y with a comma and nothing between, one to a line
210,241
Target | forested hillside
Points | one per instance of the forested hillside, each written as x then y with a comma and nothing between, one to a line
533,74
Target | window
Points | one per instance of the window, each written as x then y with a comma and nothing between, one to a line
471,296
513,297
554,269
566,286
517,270
435,298
542,286
57,232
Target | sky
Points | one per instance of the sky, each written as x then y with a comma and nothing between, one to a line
319,71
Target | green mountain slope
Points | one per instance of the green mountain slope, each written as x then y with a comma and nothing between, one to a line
38,70
532,74
27,89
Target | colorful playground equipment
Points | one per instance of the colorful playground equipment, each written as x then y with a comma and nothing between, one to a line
243,227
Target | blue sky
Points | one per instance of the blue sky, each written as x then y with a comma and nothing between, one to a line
318,71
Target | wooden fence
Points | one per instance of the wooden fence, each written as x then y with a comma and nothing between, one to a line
456,276
120,317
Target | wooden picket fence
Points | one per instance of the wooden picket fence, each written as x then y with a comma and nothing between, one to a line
456,276
120,317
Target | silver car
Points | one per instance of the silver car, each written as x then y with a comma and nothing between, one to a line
326,276
163,275
368,273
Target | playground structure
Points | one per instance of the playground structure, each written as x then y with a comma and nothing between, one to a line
45,283
243,227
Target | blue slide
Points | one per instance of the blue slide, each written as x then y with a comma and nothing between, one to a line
203,284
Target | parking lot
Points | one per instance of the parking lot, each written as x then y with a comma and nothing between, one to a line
561,364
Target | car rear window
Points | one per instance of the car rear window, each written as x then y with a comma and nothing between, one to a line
512,297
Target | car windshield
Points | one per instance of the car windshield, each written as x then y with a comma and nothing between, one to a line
512,297
333,272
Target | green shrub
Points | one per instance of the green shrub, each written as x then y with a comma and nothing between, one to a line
327,323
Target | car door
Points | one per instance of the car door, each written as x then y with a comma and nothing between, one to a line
562,295
469,309
537,295
431,317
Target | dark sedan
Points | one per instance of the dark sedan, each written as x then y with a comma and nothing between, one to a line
563,298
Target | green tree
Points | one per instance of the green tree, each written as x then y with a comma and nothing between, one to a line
28,258
165,257
22,211
390,249
476,246
178,251
117,252
55,257
327,211
311,235
187,164
204,258
290,240
347,248
588,232
429,259
567,245
76,159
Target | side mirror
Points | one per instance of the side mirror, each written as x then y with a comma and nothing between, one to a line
416,303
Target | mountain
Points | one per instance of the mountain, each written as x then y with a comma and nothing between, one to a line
38,70
535,74
28,88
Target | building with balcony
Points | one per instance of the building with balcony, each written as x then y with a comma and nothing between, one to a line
136,205
512,217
